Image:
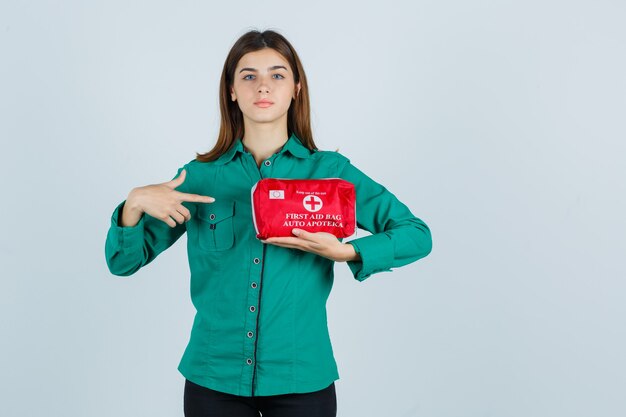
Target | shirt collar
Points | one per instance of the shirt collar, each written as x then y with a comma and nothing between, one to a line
293,146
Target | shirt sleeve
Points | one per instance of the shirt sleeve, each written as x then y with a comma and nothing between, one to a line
398,237
129,248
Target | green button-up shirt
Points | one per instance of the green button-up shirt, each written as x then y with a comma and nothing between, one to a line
260,326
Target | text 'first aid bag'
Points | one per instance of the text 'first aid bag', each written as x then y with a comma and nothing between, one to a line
314,205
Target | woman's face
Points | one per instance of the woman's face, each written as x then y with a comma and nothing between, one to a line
263,74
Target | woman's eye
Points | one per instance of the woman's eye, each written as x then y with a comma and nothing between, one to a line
250,75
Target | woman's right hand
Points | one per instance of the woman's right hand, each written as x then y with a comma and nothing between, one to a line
161,201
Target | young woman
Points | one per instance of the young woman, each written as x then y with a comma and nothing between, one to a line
259,340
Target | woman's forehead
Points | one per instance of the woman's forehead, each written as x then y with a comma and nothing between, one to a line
262,60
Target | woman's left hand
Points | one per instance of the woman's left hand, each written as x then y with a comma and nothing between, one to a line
321,243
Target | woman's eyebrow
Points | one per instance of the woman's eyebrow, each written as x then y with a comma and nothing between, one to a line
269,69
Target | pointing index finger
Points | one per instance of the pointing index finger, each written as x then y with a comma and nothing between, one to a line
196,198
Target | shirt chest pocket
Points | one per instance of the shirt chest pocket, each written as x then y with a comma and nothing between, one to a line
215,227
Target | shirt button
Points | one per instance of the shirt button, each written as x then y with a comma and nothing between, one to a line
252,308
250,334
212,216
253,285
268,163
257,260
249,361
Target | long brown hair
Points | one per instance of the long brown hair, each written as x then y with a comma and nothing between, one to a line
232,126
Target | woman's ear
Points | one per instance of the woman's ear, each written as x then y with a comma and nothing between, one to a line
297,90
233,96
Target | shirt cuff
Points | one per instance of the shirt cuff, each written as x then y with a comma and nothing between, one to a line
376,253
128,238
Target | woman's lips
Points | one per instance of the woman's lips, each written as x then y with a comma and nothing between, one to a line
263,104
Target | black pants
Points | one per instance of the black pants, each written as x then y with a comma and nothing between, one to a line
200,401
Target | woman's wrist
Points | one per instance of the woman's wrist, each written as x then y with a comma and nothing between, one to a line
131,211
350,253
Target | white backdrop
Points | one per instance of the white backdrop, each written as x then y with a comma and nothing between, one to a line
499,123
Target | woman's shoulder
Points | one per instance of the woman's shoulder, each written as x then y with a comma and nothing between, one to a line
192,165
334,157
195,165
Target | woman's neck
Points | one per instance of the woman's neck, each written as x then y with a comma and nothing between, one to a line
263,143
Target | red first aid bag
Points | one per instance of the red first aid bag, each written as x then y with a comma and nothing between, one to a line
314,205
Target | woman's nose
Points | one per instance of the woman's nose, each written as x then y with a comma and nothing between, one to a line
263,86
